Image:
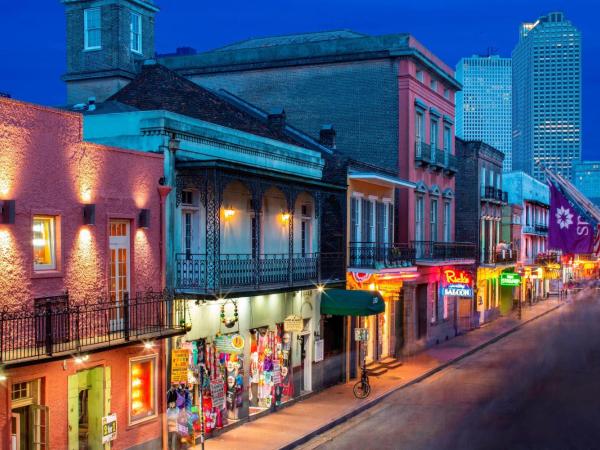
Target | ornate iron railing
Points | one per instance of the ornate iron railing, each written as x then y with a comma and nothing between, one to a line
54,326
493,256
243,271
372,255
422,152
495,194
439,251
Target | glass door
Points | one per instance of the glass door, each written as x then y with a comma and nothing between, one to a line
119,245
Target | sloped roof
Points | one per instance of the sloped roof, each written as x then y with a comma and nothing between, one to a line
300,38
157,87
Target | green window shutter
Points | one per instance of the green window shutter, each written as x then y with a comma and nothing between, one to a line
73,411
107,394
95,406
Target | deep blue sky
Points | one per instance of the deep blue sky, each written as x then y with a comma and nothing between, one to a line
32,34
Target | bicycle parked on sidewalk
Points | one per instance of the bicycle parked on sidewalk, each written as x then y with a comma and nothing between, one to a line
362,388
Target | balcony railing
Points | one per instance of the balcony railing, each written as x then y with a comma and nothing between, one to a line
245,271
426,155
535,229
491,193
54,328
422,153
547,258
440,251
493,256
542,229
371,255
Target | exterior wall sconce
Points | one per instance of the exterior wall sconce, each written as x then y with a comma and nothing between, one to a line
285,217
7,207
144,219
89,214
228,212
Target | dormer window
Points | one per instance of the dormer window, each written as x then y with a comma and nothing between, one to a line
135,22
92,29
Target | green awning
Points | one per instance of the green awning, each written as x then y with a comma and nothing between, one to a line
341,302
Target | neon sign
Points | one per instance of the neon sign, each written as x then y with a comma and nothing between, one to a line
457,283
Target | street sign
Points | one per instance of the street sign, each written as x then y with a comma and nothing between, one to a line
510,279
293,324
109,428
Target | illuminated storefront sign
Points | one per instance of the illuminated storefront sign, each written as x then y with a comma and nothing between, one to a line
510,279
457,283
361,277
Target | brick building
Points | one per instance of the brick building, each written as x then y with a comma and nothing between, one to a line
83,311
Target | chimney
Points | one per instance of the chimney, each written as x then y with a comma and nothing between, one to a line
276,119
327,136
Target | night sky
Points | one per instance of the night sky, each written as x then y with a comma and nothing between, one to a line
32,34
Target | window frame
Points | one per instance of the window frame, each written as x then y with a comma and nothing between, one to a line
433,219
138,36
53,266
140,359
87,30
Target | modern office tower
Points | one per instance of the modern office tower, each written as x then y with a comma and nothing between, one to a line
547,96
586,176
484,106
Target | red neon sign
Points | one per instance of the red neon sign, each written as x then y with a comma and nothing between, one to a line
452,276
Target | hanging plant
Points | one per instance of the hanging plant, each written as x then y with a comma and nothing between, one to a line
229,322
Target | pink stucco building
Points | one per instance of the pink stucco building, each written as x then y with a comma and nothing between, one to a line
81,264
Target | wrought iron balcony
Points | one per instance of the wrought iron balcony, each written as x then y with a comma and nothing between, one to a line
541,229
371,255
490,193
494,256
452,165
547,258
422,153
440,160
238,272
55,328
443,251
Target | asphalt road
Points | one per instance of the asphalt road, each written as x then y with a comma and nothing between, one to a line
538,388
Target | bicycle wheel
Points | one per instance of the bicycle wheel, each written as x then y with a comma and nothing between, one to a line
362,389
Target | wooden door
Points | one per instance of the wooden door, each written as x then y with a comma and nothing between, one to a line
119,245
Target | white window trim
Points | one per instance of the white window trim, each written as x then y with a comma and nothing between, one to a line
138,16
86,46
53,244
153,357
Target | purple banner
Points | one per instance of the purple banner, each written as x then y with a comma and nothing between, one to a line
569,231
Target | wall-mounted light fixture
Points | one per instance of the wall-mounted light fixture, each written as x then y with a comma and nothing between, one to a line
285,217
89,214
144,218
228,212
8,211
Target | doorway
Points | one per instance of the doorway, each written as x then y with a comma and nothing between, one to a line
306,353
29,419
119,246
421,296
86,407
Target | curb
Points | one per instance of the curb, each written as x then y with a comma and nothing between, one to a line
345,417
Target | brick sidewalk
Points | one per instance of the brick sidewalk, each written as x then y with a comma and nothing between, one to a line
305,419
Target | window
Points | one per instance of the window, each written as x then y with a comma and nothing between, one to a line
136,32
44,243
142,389
92,31
433,85
447,222
433,221
21,391
446,93
355,219
434,303
420,76
447,139
305,230
419,127
433,138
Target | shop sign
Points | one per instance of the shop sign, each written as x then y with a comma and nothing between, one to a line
276,377
319,350
109,428
217,392
361,334
457,283
361,277
179,365
229,343
293,324
510,279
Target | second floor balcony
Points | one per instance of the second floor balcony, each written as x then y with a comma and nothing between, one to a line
537,229
372,255
493,194
443,251
427,155
498,256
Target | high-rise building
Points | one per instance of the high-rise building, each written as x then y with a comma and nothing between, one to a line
585,178
547,96
484,106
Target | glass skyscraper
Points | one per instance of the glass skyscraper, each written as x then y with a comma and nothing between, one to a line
484,106
547,96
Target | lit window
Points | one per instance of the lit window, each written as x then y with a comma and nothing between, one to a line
92,29
44,243
142,394
136,32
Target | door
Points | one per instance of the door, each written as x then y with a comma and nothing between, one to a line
464,313
119,245
15,435
39,420
421,311
419,225
86,407
308,343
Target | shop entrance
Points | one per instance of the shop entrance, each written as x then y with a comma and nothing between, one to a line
29,419
86,407
421,297
464,313
306,347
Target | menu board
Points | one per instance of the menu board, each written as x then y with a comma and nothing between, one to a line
179,365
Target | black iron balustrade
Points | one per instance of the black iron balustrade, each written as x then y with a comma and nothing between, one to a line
243,271
439,251
53,327
493,255
541,229
506,256
452,163
502,196
422,153
489,193
440,159
373,255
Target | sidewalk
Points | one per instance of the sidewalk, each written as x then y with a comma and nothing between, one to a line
305,419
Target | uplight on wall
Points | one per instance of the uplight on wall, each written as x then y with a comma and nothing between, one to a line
89,214
228,212
7,207
144,219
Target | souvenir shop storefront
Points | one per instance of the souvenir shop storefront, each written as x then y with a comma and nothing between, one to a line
242,357
385,330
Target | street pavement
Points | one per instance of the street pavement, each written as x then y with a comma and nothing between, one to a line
537,388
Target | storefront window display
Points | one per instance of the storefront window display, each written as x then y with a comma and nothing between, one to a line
143,391
271,379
